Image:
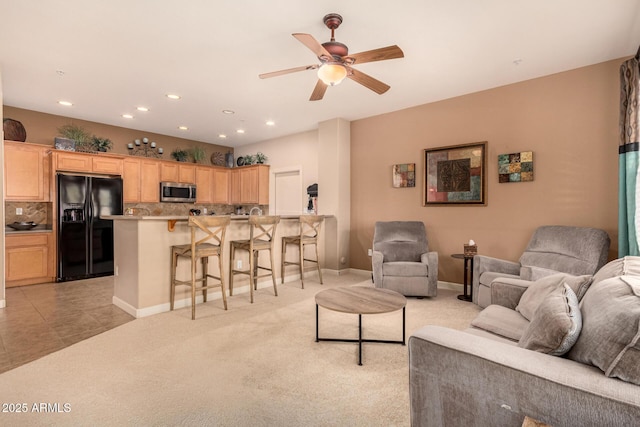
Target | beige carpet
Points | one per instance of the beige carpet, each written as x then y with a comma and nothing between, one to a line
253,365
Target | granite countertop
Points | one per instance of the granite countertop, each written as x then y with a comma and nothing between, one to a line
186,217
40,228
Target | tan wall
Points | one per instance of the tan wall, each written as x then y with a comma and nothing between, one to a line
42,128
569,121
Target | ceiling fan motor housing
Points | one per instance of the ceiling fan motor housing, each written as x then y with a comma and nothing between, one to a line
336,49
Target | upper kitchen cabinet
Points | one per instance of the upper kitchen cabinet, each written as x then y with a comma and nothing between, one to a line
250,185
204,181
26,171
141,180
169,172
83,162
220,185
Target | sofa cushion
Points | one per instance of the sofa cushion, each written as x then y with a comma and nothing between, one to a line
538,291
404,269
489,276
502,321
610,337
530,272
629,265
555,325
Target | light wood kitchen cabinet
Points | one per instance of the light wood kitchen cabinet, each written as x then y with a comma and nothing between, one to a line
29,258
187,174
220,185
178,172
26,172
204,181
74,162
169,172
131,180
89,163
141,180
250,185
106,165
234,186
149,181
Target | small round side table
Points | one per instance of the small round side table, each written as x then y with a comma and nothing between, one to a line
468,276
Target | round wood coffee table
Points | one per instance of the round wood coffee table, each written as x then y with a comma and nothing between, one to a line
361,300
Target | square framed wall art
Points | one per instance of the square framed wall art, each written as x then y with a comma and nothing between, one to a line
455,175
515,167
404,175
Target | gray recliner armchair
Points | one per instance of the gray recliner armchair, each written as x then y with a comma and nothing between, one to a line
401,259
552,249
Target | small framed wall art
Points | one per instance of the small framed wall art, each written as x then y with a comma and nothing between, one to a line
404,175
515,167
455,175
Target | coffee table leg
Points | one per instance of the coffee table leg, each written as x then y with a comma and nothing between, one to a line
360,339
317,339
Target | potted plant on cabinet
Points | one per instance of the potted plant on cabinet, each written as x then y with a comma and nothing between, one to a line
180,155
260,158
74,138
101,144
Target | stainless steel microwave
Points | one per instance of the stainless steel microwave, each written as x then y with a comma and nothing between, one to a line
177,192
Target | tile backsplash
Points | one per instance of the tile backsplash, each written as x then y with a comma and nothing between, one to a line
38,212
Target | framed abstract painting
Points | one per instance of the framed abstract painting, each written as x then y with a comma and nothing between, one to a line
404,175
455,175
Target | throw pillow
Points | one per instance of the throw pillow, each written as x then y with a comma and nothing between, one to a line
610,337
537,292
556,324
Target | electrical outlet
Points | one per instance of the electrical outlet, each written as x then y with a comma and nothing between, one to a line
204,211
115,271
18,211
239,264
370,252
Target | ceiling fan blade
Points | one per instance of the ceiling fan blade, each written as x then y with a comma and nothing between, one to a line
318,91
367,81
309,41
381,54
287,71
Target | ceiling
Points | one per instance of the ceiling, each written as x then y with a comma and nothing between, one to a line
109,57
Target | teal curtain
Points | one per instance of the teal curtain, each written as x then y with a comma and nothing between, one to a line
629,172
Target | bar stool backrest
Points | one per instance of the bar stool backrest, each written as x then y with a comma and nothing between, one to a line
214,228
263,228
310,226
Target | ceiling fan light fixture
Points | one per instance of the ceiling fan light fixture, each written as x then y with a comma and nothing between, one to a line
332,74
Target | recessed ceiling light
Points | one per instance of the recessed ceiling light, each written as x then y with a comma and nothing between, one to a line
270,123
172,96
228,111
240,131
222,135
183,128
65,103
142,109
127,116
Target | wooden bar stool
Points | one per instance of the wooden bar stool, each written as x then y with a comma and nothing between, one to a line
261,237
214,228
309,230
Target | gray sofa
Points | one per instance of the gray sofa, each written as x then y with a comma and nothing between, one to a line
401,260
502,368
552,249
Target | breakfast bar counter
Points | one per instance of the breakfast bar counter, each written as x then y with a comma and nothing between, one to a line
142,259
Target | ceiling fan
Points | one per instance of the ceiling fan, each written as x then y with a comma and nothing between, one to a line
335,61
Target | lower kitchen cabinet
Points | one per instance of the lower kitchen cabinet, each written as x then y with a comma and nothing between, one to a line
29,258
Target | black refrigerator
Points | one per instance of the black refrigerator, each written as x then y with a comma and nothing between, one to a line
85,241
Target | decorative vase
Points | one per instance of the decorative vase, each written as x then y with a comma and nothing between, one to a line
229,159
13,130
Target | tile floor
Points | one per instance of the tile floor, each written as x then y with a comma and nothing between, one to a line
41,319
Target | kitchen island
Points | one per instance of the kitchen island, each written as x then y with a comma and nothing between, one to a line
142,259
